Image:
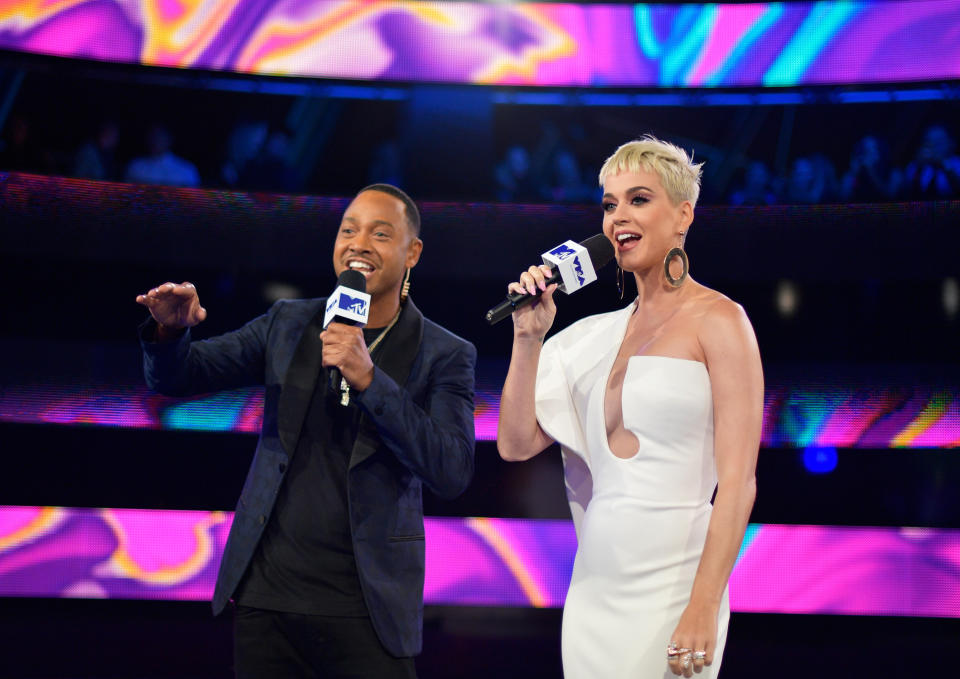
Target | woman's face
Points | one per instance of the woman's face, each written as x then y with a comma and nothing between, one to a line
641,221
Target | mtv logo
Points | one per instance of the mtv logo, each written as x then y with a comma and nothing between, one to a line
347,305
354,304
562,251
578,269
572,262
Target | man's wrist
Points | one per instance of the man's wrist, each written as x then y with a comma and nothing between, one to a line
364,382
165,333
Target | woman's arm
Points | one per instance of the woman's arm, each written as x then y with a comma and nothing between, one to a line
736,379
519,436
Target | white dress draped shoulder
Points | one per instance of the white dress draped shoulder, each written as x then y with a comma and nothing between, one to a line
641,522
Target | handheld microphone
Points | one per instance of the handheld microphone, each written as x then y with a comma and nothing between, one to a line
349,304
574,265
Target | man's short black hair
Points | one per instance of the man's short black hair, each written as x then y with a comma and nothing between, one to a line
409,207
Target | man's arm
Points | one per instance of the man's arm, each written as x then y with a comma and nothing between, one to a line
435,442
175,366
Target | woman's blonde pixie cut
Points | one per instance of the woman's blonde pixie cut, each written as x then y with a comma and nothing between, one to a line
678,173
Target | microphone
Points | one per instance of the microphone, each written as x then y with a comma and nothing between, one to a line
574,265
349,304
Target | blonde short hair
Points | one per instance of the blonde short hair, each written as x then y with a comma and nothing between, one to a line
678,173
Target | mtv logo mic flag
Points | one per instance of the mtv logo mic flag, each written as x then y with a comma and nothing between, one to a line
573,263
349,302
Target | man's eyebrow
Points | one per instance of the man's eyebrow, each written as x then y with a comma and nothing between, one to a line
382,222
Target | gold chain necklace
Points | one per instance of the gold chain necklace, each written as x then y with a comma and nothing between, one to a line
344,385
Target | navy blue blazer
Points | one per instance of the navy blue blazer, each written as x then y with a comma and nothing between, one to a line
416,428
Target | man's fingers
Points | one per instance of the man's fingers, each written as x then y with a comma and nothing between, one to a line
185,289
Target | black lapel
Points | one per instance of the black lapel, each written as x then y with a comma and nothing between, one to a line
396,357
300,382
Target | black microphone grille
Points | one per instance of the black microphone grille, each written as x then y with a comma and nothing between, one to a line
352,279
600,250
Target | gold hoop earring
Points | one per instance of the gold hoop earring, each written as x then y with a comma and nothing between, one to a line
405,288
620,282
676,252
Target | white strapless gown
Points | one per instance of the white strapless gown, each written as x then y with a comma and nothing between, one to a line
641,522
643,532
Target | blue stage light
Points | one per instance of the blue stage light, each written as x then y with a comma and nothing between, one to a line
820,459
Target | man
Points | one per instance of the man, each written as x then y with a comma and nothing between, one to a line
325,558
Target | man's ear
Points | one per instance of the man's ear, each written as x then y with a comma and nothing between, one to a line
413,252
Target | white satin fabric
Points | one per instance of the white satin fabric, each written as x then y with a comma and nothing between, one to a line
641,522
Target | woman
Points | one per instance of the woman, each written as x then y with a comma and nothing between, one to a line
654,406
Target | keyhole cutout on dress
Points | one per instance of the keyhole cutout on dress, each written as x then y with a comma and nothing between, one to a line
621,441
637,341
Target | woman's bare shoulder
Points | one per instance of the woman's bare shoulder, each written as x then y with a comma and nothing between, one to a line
709,302
723,322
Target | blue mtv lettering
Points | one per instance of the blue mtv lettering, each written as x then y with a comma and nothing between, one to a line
354,304
578,268
561,252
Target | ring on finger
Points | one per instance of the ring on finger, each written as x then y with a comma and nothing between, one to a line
685,661
699,656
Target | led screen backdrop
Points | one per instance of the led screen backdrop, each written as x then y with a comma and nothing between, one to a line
556,44
153,554
795,416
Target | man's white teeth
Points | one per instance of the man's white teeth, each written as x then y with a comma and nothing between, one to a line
363,266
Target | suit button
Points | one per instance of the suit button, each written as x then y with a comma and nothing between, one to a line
261,519
283,467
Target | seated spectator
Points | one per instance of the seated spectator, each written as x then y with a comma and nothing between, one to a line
513,176
96,159
870,178
565,182
161,166
812,180
245,142
271,169
757,187
19,151
935,173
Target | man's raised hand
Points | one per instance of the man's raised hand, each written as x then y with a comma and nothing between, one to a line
174,307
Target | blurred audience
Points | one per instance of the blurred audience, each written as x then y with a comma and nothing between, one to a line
513,177
812,179
97,158
20,151
935,172
870,177
757,188
270,169
552,165
161,165
245,141
565,182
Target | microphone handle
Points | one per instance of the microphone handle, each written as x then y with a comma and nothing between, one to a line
335,377
517,300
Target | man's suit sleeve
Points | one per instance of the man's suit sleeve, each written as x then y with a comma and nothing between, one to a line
435,442
182,367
